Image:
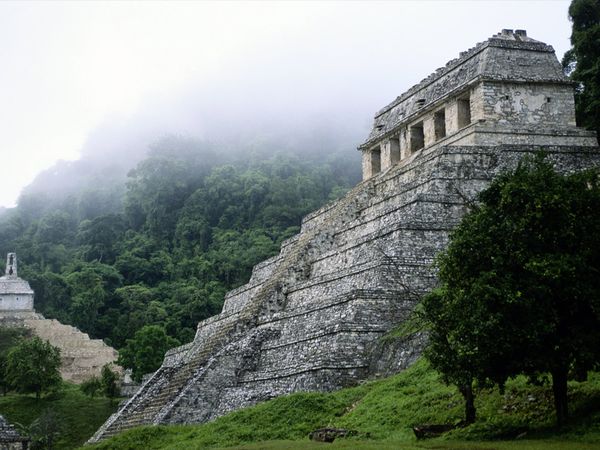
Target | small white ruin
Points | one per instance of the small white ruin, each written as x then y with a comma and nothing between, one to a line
15,293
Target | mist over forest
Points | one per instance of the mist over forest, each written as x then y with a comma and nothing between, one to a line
236,120
169,208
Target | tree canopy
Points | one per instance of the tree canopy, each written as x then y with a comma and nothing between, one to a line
520,284
9,337
145,352
582,61
32,366
108,382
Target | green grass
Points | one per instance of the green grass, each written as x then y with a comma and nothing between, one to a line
78,416
384,412
398,445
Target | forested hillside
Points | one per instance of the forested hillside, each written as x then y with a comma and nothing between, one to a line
161,246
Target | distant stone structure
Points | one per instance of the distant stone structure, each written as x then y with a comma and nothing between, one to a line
311,317
15,293
11,439
81,357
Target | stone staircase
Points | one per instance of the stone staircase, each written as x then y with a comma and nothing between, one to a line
154,402
150,406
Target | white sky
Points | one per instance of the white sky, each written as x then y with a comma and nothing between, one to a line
67,67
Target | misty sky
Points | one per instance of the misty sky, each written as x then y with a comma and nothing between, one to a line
69,69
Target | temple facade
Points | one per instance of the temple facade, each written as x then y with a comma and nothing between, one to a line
509,89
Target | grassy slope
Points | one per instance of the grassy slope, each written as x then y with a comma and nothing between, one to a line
387,409
79,416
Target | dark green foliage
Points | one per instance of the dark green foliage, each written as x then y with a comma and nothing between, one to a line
521,284
52,293
45,430
191,222
97,237
582,62
91,386
32,366
145,352
77,414
108,382
9,337
4,383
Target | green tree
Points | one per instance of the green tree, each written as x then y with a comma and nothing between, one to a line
45,430
32,366
109,382
52,294
4,385
98,237
9,337
520,284
145,352
582,62
133,301
92,386
92,285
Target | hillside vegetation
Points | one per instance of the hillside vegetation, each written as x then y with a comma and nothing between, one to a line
383,413
162,247
71,417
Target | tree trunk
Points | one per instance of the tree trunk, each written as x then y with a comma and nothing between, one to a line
467,393
559,388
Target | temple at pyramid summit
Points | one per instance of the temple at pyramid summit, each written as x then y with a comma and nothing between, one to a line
312,317
509,89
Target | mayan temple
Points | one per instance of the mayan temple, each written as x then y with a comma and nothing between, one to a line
311,317
81,357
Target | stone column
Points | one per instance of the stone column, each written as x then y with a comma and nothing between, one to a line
366,165
451,117
428,130
404,148
390,153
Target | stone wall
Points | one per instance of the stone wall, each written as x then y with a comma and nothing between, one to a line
311,318
546,105
16,302
81,357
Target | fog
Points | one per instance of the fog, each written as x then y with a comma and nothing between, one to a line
100,81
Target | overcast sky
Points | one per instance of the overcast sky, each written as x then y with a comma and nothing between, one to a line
68,68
